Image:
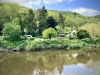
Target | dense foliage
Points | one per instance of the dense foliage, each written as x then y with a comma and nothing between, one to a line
93,29
41,16
51,22
31,32
12,31
49,33
81,34
41,19
17,21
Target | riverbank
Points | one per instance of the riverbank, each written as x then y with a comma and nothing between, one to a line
45,44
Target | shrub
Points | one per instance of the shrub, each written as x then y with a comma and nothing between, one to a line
20,47
36,45
32,38
93,29
12,31
81,34
49,33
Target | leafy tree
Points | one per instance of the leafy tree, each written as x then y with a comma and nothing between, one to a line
26,20
81,34
93,20
12,31
74,22
97,17
53,13
8,11
69,21
93,29
31,32
49,33
51,22
61,20
42,26
30,19
41,15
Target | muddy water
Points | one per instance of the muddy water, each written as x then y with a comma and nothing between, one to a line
52,62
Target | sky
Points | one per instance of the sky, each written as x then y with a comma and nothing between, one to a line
84,7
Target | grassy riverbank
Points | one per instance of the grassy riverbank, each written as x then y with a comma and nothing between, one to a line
44,44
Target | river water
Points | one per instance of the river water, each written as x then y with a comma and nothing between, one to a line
51,62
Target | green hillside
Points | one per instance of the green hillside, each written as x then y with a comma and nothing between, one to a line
36,21
17,21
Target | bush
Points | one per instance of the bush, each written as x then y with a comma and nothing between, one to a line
32,38
93,29
20,47
36,45
81,34
49,33
10,45
12,31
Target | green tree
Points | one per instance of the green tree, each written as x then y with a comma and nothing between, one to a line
30,19
51,22
61,20
26,20
31,32
41,16
93,20
12,31
69,21
93,29
81,34
8,11
53,13
49,33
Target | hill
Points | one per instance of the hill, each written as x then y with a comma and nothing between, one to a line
10,11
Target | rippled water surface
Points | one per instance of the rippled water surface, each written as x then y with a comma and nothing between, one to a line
52,62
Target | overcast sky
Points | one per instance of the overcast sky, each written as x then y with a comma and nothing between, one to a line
84,7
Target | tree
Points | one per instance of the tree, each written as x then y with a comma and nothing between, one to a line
61,20
49,33
31,32
69,21
93,20
12,31
30,19
93,29
26,20
51,22
8,11
81,34
41,16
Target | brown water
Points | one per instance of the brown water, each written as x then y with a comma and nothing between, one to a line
49,63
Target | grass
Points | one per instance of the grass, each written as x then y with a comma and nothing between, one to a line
44,44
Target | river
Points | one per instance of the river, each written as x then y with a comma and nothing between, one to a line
51,62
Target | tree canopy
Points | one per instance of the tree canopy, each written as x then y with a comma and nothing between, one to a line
49,33
51,22
93,29
12,31
30,20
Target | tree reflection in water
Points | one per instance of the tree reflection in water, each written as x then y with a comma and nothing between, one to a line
49,63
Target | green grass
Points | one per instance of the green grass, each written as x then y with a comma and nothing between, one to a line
45,44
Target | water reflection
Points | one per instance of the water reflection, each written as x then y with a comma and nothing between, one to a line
49,63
